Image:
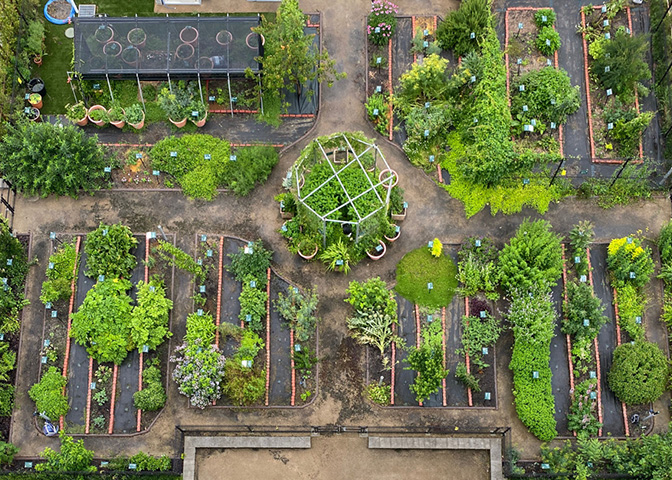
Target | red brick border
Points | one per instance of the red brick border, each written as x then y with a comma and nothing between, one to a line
268,334
389,86
618,344
394,361
443,342
218,313
466,353
417,335
88,398
70,310
115,373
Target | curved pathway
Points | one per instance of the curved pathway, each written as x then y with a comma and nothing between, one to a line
432,214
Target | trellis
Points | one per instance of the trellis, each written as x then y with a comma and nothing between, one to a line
387,178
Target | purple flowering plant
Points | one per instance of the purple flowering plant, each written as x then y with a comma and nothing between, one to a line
381,21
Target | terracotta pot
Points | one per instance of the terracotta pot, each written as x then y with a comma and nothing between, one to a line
83,121
37,60
96,122
308,257
37,104
399,217
378,256
121,123
138,126
393,239
224,37
179,124
33,114
201,122
107,49
103,39
184,51
383,174
205,63
140,44
185,32
131,56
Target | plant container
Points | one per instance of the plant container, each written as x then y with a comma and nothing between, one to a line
383,174
286,215
179,124
137,37
205,63
394,238
139,125
104,34
184,51
120,123
308,257
96,122
399,217
35,100
33,114
200,123
112,49
377,255
38,60
224,37
131,56
188,34
36,85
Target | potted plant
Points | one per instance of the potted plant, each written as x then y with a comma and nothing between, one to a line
198,113
104,34
171,107
117,116
377,252
184,51
131,56
385,174
337,257
32,114
392,232
77,113
189,34
205,63
135,116
224,37
287,205
290,230
112,49
35,100
98,115
137,37
307,247
397,204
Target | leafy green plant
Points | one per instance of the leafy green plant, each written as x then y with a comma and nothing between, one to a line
7,452
102,323
48,394
199,372
108,251
180,259
639,373
380,394
665,243
371,296
337,257
149,318
135,114
628,133
544,17
378,111
583,312
625,56
253,304
373,328
6,399
427,360
548,41
43,159
73,457
101,397
254,166
116,113
477,268
99,115
469,380
533,256
59,279
152,396
148,463
243,385
298,309
455,32
252,260
580,237
631,305
200,327
478,332
75,112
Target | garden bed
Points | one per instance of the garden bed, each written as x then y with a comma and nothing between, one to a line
92,412
602,150
522,56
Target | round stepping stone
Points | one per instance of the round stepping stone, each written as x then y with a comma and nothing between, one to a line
69,32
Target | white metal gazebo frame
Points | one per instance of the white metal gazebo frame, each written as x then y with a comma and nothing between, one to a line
387,179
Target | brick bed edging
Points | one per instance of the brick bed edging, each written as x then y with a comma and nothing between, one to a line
561,138
218,313
417,337
268,332
389,86
443,344
138,426
589,101
466,354
600,415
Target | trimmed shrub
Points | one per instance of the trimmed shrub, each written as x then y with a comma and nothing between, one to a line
639,373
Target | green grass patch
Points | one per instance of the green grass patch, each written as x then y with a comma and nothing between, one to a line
56,62
417,269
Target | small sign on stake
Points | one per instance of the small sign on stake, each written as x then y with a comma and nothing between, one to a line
204,238
156,173
375,112
605,23
425,33
610,126
376,30
339,262
430,318
199,312
638,320
582,279
47,342
248,318
253,283
199,261
405,205
426,133
132,466
535,374
525,108
43,360
207,156
633,275
586,322
234,99
425,44
9,262
592,374
483,313
607,36
101,278
107,169
379,89
297,347
473,79
431,159
52,235
472,35
430,244
145,349
553,126
486,396
477,242
379,248
54,314
484,350
47,305
548,60
593,395
379,60
545,466
93,385
577,259
233,158
50,267
211,98
173,154
607,69
430,286
138,156
201,289
208,253
519,61
521,88
194,113
533,122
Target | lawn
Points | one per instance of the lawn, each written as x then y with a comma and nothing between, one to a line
417,269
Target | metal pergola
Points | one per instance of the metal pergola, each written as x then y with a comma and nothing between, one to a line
387,179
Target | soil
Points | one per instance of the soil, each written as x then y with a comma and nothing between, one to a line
245,90
59,9
139,175
378,76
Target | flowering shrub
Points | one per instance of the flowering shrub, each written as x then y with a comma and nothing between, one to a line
582,412
199,372
381,21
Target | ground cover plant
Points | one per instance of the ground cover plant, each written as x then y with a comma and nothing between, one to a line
59,278
617,67
43,159
201,164
428,361
417,269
